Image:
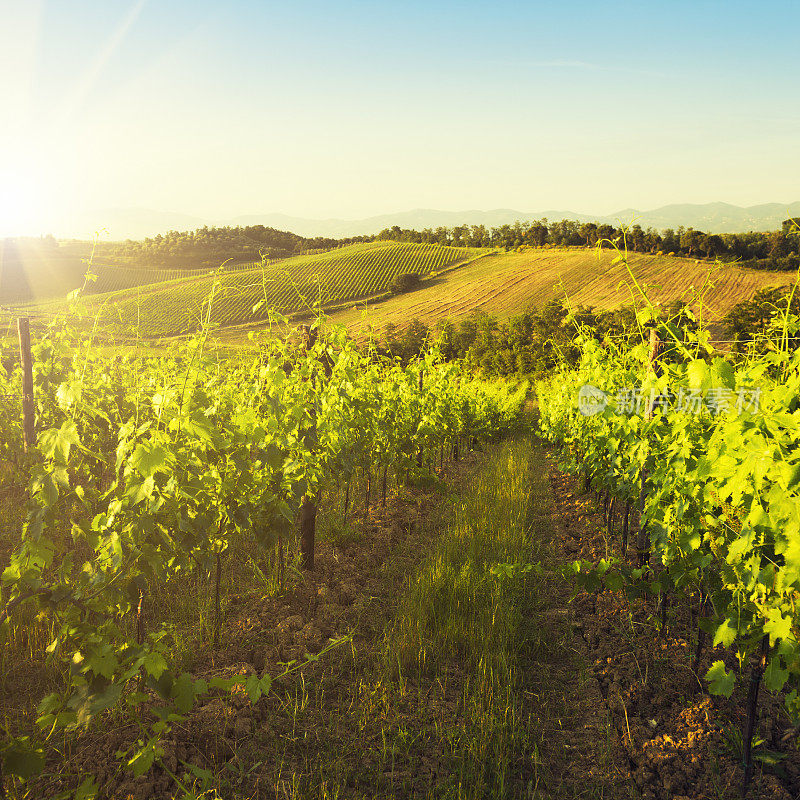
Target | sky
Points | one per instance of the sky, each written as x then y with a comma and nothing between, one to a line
334,109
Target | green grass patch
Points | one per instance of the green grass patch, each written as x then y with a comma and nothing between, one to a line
471,607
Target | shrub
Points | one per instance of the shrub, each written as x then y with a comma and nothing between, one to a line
405,283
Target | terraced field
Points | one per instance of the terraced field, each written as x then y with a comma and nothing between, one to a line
290,285
507,283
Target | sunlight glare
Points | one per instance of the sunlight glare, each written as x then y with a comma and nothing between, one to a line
21,203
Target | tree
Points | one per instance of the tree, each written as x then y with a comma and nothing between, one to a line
712,245
405,283
692,240
589,232
538,233
606,232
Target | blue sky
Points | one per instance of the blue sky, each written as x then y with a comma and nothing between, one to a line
351,109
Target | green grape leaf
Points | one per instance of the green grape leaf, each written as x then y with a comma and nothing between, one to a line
21,759
725,634
720,681
778,626
775,676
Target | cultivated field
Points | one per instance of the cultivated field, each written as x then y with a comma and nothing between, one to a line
352,284
243,295
507,283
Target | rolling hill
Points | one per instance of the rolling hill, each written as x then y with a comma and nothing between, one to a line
505,284
291,285
352,282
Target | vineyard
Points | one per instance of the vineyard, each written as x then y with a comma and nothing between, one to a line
703,452
245,294
147,474
178,510
119,278
509,283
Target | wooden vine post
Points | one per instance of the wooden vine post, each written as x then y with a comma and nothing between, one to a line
757,672
28,409
308,507
643,542
419,450
701,633
625,521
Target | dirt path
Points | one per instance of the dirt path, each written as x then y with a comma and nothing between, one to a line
578,749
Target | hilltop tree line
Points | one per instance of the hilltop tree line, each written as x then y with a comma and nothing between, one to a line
210,246
774,250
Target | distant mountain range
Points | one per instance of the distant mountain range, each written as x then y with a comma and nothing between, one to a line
137,223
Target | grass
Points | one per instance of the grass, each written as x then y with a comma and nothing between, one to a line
471,605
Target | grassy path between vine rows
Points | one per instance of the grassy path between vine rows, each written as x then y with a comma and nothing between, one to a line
430,699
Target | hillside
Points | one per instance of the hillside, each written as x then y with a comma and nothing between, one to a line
290,285
508,283
352,283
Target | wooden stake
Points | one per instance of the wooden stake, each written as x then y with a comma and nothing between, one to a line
28,408
752,702
625,522
701,635
308,508
217,615
643,542
281,563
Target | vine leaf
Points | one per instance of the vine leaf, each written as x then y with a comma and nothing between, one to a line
725,634
775,676
720,680
778,626
22,760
